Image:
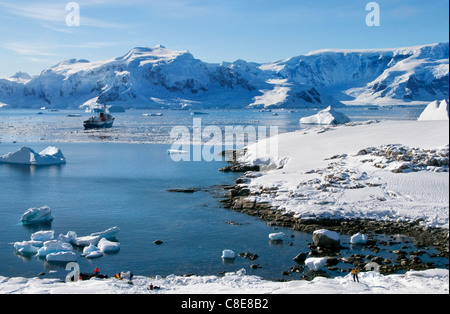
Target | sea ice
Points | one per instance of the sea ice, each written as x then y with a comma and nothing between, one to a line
43,235
54,246
61,257
326,116
26,247
37,215
27,156
228,254
92,251
276,236
107,246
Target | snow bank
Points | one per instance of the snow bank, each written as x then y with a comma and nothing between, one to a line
27,156
332,174
327,116
434,281
435,111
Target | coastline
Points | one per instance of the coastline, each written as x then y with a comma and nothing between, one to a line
275,199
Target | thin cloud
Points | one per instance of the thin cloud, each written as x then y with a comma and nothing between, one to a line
54,13
28,49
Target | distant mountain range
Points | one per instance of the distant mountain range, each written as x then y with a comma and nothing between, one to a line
159,77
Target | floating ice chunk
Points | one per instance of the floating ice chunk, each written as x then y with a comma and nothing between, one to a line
89,249
358,238
327,116
92,251
61,257
54,246
70,237
229,254
315,263
27,156
107,246
26,247
43,235
37,215
176,151
276,236
87,240
108,234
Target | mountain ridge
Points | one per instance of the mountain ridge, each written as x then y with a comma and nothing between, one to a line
159,77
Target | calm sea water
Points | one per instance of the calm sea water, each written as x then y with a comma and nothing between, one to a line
109,183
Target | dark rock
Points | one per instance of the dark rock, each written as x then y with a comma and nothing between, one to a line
300,258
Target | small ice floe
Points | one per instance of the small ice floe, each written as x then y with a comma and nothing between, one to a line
54,246
91,252
176,151
277,236
26,247
315,263
358,238
37,215
107,246
26,156
43,236
328,116
94,238
61,257
228,254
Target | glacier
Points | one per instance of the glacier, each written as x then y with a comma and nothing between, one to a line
162,78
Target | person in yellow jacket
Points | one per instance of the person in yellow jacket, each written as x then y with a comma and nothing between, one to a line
354,273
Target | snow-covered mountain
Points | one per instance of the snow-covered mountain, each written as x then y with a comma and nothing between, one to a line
159,77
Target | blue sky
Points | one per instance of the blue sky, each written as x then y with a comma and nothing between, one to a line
34,34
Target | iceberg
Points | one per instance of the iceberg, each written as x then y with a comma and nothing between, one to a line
92,251
85,241
276,236
37,215
107,246
26,247
435,111
54,246
27,156
43,235
94,238
108,233
328,116
228,254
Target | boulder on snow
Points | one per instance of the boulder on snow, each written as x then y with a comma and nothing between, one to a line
327,116
435,111
326,239
27,156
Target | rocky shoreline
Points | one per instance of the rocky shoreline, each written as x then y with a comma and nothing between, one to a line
239,198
